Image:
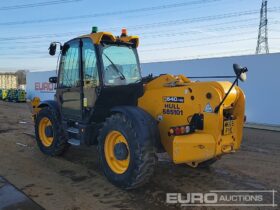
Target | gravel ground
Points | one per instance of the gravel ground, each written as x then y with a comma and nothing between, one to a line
74,181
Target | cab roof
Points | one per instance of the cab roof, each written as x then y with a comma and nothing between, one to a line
108,36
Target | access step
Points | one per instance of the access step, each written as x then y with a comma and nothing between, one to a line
73,130
74,142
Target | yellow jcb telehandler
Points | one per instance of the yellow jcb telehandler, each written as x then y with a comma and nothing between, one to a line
101,99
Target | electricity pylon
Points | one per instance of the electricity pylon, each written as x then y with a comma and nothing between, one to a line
262,45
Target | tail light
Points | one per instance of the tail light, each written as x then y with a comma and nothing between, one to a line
179,130
196,123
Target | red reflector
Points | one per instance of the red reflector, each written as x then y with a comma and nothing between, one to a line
177,131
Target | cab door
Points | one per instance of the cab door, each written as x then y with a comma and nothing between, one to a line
90,76
69,84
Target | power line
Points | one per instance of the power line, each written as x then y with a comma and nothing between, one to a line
199,56
158,49
159,24
164,23
185,21
35,46
145,9
151,25
198,39
36,36
161,43
40,4
201,19
82,32
143,25
199,32
198,45
41,55
197,26
168,34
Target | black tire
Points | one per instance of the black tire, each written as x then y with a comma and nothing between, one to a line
141,150
59,144
207,163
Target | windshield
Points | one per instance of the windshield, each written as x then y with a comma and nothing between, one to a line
121,65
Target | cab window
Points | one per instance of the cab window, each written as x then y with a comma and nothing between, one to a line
91,78
120,64
70,65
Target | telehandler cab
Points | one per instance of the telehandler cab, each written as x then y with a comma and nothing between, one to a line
101,99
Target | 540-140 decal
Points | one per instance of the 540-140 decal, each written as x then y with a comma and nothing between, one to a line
173,99
172,108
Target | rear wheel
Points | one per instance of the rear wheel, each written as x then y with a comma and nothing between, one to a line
50,136
126,152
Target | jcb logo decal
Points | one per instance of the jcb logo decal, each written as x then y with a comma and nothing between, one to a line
173,99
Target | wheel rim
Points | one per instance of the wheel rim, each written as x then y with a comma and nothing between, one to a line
44,123
116,165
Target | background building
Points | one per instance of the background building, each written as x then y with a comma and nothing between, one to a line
13,80
8,80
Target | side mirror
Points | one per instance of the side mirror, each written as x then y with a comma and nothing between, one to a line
240,72
52,49
53,79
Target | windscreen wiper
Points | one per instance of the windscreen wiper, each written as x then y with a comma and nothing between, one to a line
116,68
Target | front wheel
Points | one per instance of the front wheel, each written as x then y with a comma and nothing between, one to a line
49,133
126,151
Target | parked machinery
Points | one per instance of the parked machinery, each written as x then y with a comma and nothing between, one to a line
101,99
4,94
13,95
20,96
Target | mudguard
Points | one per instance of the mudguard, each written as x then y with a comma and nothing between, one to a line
141,119
50,103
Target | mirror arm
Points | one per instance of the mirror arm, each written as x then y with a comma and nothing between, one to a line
60,45
243,70
220,104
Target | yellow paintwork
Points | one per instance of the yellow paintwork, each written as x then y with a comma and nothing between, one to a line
117,166
203,144
44,123
134,39
97,38
199,147
35,109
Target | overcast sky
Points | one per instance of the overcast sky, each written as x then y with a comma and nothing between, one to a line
168,30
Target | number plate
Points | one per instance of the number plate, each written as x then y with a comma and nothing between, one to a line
228,126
